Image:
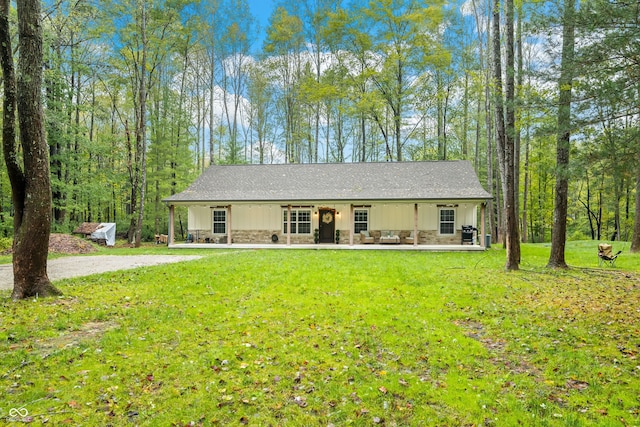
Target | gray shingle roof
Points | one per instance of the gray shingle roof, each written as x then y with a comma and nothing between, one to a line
441,180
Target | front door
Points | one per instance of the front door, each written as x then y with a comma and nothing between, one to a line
327,225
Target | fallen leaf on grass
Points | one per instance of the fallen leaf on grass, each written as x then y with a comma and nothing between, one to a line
301,401
628,352
363,411
225,400
577,384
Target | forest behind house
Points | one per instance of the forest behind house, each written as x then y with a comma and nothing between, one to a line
140,96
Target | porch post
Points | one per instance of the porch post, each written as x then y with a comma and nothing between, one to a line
229,225
171,225
351,222
416,236
483,239
288,225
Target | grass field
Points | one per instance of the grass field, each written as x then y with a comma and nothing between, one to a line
269,338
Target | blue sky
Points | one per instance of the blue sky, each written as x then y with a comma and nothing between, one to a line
261,10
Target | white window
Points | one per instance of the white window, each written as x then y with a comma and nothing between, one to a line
219,221
360,220
300,221
447,221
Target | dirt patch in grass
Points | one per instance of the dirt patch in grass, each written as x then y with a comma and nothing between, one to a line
497,348
70,339
47,347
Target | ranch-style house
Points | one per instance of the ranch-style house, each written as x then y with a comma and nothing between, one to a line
391,203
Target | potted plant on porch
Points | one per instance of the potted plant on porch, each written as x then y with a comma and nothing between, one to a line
316,236
337,237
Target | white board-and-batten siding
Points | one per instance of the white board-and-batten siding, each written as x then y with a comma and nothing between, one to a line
382,216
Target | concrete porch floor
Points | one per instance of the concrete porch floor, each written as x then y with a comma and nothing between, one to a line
325,246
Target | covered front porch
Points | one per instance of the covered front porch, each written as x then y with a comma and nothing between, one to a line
371,226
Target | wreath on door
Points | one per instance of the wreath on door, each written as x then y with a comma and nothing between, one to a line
327,218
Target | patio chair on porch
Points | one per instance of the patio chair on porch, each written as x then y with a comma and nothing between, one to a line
606,256
366,238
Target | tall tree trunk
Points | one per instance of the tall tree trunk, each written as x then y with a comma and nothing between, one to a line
618,191
599,214
587,206
141,128
497,87
511,156
133,179
559,233
476,158
525,196
487,116
55,129
498,104
501,131
178,125
31,187
506,131
397,117
137,155
440,116
518,124
465,118
363,136
635,240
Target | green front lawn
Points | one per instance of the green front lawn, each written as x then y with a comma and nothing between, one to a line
331,338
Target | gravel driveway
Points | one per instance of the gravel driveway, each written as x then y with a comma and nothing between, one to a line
74,266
